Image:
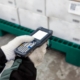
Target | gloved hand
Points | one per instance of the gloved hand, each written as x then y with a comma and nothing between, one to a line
37,55
9,48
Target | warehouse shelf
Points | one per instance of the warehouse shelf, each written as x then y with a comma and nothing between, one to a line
71,49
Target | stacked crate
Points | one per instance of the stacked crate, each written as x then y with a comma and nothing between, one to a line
61,16
63,20
28,13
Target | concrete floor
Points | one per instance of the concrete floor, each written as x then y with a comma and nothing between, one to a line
53,67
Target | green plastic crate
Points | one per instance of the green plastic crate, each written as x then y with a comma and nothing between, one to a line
72,50
13,28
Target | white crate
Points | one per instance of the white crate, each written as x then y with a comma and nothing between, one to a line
32,5
32,20
60,9
8,2
64,29
9,13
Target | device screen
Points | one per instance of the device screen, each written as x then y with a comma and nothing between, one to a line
40,34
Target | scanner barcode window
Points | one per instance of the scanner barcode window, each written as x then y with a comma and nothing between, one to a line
73,6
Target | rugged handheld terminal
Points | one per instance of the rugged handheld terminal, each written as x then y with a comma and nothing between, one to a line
41,35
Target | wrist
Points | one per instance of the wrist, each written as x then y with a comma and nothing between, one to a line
3,60
9,54
2,56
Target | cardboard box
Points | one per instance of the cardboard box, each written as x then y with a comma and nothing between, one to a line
8,2
32,20
65,30
32,5
60,9
9,13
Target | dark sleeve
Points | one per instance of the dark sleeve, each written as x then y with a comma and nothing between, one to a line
22,69
2,60
26,71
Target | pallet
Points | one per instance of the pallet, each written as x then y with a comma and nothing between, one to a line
72,50
12,28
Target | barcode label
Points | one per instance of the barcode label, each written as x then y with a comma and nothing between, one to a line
73,6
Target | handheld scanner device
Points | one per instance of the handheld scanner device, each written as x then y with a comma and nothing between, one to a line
41,35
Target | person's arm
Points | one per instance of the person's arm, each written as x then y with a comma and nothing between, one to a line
22,69
7,51
2,60
26,71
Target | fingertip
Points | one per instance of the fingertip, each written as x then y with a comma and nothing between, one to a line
24,38
28,38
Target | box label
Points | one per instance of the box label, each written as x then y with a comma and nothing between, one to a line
74,7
